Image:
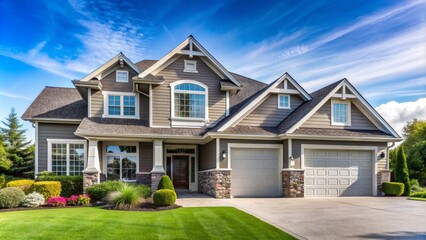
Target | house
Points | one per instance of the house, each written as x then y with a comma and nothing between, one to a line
210,130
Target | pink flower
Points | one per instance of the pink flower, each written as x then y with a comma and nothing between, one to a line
57,202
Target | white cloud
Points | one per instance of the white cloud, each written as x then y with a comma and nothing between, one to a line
397,114
12,95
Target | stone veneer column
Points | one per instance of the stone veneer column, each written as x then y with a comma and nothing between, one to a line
143,178
91,175
382,176
216,183
157,169
293,181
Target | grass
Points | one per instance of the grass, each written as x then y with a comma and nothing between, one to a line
417,198
97,223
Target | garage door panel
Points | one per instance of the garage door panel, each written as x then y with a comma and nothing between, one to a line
337,172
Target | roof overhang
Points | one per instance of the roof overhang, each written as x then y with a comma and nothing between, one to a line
53,120
339,138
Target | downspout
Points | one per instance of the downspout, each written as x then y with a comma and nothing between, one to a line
387,154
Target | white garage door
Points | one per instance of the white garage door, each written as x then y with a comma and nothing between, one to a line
331,173
255,172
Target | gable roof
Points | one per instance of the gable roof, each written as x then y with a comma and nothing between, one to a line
192,43
57,103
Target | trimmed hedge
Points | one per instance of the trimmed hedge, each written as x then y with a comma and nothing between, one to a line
70,185
48,188
2,181
164,197
100,191
393,188
419,195
11,197
165,183
25,185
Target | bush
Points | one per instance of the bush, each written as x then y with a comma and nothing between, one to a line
144,190
33,200
70,185
419,195
11,197
128,196
48,188
2,181
25,185
82,199
393,188
164,197
165,183
45,174
100,191
401,173
57,202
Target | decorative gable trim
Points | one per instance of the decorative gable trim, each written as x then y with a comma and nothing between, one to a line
371,113
245,111
181,50
98,72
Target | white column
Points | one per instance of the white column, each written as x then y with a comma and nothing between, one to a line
93,165
158,156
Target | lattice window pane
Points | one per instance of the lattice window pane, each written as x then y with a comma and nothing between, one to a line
59,159
113,105
76,159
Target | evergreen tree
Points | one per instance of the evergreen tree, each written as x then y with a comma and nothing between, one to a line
401,173
19,151
5,163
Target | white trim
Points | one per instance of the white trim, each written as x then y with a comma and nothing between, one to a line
218,156
121,71
36,149
150,105
187,62
285,84
215,169
121,94
89,102
346,147
283,107
348,112
347,96
193,186
178,50
286,91
54,120
227,103
120,155
67,142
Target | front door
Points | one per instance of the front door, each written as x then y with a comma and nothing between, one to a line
180,171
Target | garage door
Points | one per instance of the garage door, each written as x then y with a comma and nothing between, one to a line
255,172
331,173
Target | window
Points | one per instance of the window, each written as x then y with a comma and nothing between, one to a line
121,162
190,66
123,105
122,76
340,112
189,101
283,101
66,158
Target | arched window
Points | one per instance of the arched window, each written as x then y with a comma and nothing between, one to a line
189,100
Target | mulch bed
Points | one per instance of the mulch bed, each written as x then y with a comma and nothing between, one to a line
42,207
146,207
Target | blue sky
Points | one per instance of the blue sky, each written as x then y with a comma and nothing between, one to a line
380,46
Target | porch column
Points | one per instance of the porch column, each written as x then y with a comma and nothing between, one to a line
158,169
92,172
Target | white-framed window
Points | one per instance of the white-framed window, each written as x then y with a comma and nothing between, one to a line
284,101
66,157
121,105
122,76
190,66
122,161
340,113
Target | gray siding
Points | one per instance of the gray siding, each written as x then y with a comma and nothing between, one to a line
97,104
109,82
174,72
145,156
268,114
224,146
285,154
207,156
322,119
297,149
52,131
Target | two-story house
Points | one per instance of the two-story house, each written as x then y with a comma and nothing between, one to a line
211,130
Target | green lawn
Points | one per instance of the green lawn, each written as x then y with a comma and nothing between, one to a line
417,198
97,223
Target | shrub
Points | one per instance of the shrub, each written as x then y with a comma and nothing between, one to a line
393,188
100,191
25,185
57,202
165,183
82,199
128,196
33,200
2,180
11,197
401,173
70,185
48,188
45,174
164,197
144,190
419,194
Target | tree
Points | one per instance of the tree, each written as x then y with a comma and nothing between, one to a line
19,151
401,173
5,163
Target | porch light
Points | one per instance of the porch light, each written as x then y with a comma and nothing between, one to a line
382,155
291,159
223,154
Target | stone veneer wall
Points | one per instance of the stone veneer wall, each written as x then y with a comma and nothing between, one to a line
216,183
143,178
155,179
382,176
90,179
293,183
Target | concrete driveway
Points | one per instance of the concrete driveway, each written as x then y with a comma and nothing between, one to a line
331,218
